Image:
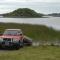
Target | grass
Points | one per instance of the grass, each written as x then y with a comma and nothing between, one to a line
32,53
36,32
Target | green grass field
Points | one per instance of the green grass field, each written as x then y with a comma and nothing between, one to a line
32,53
36,32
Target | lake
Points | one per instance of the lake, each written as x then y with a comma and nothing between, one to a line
53,22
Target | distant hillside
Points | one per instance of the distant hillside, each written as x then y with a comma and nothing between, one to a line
23,13
55,14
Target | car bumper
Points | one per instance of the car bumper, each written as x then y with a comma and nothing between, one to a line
9,44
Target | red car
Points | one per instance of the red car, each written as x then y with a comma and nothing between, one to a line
14,38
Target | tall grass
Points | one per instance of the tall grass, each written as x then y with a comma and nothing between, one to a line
36,32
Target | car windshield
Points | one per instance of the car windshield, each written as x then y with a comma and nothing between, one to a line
12,32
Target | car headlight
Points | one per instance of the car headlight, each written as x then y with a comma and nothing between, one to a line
15,40
1,39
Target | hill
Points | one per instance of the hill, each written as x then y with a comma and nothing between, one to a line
23,13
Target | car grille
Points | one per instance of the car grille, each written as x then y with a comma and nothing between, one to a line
7,39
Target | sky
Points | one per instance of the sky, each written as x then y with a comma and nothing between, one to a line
40,6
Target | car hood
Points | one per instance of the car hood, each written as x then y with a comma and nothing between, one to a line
5,36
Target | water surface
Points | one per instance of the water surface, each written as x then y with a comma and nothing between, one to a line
50,22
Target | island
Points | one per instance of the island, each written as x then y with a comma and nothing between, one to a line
23,13
54,14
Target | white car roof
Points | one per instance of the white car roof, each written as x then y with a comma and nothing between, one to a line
13,29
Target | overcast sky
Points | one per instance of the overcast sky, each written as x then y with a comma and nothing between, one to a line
41,6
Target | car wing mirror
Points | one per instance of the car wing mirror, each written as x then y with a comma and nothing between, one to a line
20,34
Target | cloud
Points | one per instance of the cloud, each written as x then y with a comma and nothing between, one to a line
34,0
43,6
30,0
